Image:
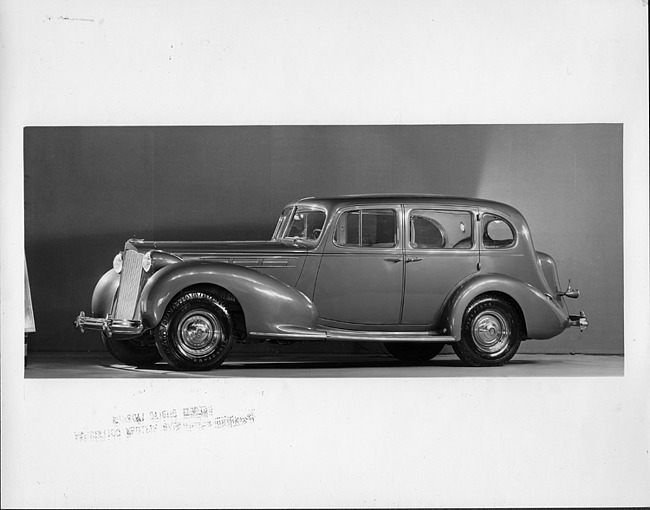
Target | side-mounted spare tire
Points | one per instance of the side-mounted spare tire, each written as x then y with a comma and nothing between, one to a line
491,332
196,331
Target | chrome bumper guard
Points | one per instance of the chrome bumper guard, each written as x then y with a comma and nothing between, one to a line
579,321
108,325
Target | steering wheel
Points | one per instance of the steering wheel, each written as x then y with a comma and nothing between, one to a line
315,234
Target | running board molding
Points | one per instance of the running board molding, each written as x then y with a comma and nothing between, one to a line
324,333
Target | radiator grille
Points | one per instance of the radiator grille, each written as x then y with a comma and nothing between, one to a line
130,283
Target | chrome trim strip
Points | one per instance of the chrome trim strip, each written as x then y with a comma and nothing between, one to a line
388,336
354,336
288,336
275,262
247,261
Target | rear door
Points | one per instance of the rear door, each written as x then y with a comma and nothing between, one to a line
360,279
441,249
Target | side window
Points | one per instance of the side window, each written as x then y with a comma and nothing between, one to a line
497,232
430,229
375,228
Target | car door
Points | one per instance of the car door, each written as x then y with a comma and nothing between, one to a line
440,250
361,272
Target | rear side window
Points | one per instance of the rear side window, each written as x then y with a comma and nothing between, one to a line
430,229
374,228
497,232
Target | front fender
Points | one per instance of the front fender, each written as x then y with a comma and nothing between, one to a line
104,294
268,303
543,317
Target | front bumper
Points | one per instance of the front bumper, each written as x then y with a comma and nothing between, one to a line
108,325
579,321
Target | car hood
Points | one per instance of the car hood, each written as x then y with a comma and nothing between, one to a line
190,249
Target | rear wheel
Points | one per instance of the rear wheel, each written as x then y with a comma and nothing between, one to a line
140,351
413,352
491,332
196,332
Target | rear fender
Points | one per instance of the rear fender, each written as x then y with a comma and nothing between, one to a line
543,318
267,303
549,270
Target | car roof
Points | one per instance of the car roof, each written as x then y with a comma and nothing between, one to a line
335,202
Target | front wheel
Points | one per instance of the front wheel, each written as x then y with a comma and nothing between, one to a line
491,332
196,332
140,351
413,352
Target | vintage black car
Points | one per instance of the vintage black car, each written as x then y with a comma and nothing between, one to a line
415,272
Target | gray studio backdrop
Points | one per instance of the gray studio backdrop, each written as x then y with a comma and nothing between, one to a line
88,189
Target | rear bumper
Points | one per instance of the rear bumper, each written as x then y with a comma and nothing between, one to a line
579,321
108,325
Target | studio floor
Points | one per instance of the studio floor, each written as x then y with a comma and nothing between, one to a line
58,365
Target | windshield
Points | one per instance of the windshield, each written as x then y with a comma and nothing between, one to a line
300,223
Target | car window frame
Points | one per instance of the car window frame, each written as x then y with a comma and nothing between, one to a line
515,234
282,235
283,223
470,211
397,210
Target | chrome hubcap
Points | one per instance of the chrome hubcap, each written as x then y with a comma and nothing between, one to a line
491,332
199,332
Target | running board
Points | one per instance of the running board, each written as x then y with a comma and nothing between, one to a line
325,333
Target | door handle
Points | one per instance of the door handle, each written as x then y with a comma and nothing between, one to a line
413,259
393,259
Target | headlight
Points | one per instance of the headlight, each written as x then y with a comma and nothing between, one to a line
147,262
117,263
